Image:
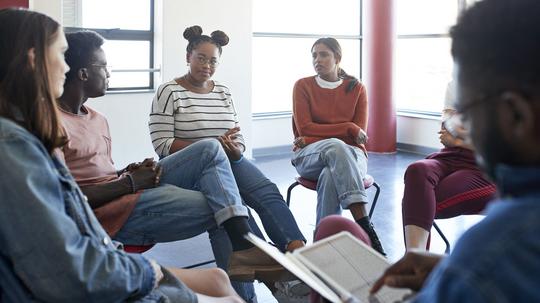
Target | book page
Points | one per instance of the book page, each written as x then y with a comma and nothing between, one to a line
350,267
295,267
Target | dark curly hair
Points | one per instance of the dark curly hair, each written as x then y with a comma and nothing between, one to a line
195,37
496,44
334,46
81,46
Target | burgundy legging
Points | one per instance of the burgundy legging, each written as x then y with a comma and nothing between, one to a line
334,224
450,177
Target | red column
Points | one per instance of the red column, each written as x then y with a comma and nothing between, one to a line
13,3
379,39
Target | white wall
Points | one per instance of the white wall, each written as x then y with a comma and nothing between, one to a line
128,113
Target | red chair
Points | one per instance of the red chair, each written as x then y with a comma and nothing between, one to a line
471,197
312,184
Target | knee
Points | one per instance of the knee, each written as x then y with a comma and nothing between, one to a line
212,148
417,170
333,224
336,148
218,280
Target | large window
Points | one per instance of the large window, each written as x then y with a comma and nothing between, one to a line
283,32
130,37
423,61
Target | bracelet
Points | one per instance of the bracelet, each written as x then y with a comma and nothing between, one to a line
131,183
158,273
238,161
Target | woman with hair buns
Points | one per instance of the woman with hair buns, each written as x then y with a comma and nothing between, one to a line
330,115
194,107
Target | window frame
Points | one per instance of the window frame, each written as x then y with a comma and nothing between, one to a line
404,111
359,38
117,34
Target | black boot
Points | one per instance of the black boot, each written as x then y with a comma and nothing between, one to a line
367,226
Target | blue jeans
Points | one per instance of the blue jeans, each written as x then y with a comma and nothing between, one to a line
340,170
197,194
259,193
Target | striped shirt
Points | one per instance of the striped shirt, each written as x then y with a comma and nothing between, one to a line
178,113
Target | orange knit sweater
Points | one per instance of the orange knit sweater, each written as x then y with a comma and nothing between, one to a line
321,113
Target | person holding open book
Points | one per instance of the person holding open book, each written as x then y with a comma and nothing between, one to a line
330,115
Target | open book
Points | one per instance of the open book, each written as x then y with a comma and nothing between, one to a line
341,268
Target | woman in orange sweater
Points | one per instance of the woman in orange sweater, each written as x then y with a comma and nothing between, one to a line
330,114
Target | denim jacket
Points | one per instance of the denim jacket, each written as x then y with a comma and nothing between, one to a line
497,260
52,248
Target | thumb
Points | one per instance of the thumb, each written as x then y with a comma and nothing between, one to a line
404,281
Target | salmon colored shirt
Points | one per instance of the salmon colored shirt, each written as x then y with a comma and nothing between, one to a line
322,113
88,157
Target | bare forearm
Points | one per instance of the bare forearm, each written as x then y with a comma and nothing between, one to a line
101,194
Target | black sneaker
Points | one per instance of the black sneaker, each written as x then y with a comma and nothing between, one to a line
370,230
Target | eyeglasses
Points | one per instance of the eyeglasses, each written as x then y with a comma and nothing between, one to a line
213,62
108,68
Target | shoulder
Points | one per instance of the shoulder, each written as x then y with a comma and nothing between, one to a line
305,81
500,256
10,130
167,87
221,87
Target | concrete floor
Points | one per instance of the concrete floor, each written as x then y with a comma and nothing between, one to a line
387,170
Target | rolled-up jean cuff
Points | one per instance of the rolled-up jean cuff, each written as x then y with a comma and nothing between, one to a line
353,197
228,212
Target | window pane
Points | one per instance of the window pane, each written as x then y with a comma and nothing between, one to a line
339,17
138,57
423,70
425,16
279,62
123,14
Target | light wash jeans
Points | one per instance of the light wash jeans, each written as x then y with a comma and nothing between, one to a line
340,170
197,193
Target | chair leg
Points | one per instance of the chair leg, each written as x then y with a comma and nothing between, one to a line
375,199
288,200
199,264
447,250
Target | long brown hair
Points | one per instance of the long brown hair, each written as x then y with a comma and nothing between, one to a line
25,95
334,46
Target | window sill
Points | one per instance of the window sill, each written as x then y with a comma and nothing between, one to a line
419,114
271,115
131,91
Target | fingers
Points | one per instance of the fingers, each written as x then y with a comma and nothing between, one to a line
231,131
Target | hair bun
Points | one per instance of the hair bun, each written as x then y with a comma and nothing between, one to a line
192,32
220,37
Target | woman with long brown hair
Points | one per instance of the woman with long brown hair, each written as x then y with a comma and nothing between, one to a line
52,249
330,115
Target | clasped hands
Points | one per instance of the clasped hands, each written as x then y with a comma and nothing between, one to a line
361,138
145,174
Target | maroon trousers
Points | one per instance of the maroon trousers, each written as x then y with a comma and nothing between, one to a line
445,184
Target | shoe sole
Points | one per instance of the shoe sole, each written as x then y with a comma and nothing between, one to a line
262,274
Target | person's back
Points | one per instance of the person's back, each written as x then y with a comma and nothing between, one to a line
498,100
